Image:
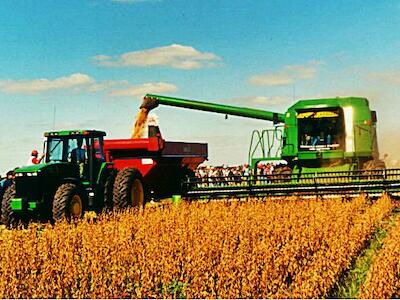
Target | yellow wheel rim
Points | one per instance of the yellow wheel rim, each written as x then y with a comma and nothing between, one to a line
76,207
137,195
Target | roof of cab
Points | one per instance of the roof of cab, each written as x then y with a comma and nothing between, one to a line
77,132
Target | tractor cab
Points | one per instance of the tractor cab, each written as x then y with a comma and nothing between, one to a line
81,148
70,180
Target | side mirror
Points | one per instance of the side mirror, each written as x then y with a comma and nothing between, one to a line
275,119
45,151
374,117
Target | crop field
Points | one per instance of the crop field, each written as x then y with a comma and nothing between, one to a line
246,249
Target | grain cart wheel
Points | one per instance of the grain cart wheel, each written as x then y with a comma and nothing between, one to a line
7,215
128,189
68,202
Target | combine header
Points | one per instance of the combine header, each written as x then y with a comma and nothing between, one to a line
329,146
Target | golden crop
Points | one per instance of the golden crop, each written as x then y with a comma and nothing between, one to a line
383,278
253,249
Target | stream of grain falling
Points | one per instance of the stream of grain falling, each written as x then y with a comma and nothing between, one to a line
140,121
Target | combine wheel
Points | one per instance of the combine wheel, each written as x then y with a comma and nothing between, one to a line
282,173
7,215
374,165
128,189
68,202
370,168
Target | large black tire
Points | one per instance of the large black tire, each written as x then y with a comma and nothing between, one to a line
109,190
375,164
68,202
282,173
7,215
128,189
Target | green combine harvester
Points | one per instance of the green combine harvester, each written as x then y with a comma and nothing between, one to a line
329,147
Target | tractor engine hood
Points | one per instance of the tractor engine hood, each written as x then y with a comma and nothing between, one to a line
30,169
52,168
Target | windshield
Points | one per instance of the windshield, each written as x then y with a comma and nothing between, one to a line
320,130
55,150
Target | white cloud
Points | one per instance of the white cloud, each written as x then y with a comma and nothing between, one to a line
286,75
248,100
35,86
392,76
142,89
101,57
105,85
85,84
174,56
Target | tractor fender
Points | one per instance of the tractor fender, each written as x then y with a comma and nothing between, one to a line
106,170
71,180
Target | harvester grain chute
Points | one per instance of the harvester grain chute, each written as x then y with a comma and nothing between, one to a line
329,146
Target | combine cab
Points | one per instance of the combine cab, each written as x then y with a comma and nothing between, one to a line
82,172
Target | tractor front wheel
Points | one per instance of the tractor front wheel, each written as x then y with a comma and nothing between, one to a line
128,189
7,215
68,202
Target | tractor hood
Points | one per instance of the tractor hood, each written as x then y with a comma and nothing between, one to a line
51,168
30,169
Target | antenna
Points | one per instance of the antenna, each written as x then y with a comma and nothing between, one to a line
54,117
294,92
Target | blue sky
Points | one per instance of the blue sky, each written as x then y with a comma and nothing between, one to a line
93,60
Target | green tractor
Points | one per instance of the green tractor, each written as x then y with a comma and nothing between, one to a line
75,177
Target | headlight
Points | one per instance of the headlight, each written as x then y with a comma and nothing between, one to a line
30,174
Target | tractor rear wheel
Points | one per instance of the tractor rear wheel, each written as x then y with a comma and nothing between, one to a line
7,215
68,202
128,189
109,189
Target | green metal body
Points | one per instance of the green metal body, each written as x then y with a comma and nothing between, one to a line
36,185
219,108
358,133
348,123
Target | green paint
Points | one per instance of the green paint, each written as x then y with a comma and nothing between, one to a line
218,108
76,132
354,131
32,205
340,168
30,169
16,204
40,168
103,167
176,199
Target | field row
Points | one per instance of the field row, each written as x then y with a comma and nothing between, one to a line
383,278
287,249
